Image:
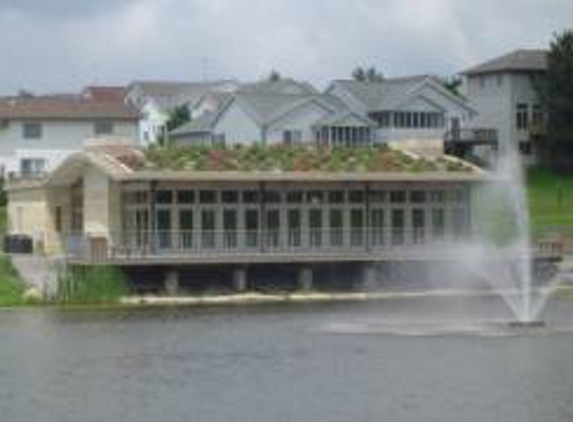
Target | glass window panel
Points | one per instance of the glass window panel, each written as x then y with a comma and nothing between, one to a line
397,196
164,196
229,196
417,196
336,197
250,197
315,196
295,197
207,196
185,196
356,196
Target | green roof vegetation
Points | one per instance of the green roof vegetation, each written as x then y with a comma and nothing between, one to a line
294,159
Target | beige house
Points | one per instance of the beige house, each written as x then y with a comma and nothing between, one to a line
103,205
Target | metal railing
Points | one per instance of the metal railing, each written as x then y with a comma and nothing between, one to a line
150,244
473,135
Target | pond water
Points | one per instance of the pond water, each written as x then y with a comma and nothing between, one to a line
278,363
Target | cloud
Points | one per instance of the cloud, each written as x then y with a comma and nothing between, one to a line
61,45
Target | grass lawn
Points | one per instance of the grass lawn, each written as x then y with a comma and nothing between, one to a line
550,200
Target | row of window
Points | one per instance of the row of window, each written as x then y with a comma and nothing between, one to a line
209,196
348,136
321,228
34,130
410,119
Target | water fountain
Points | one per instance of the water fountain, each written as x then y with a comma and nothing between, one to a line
498,254
505,253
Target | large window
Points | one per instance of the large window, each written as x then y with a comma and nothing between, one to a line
291,137
336,228
377,223
103,127
32,130
521,116
32,166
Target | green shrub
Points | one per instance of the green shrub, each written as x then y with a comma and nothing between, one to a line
11,287
91,285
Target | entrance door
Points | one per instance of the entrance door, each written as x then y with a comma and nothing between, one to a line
398,224
294,227
230,226
251,228
164,235
186,229
273,228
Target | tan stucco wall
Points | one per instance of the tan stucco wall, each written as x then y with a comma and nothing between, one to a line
33,211
102,210
29,214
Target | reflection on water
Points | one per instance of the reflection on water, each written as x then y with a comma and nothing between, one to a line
278,363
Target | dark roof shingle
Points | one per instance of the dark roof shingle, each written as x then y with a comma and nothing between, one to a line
65,108
515,61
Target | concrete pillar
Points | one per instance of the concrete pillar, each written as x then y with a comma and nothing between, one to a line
370,277
172,282
305,279
240,279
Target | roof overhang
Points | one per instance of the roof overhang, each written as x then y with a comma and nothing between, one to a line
232,176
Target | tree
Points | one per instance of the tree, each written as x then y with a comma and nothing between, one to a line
178,116
359,74
367,75
452,84
372,75
274,76
555,88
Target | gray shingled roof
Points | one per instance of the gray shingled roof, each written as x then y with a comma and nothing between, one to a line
263,107
383,95
168,95
516,61
342,117
282,86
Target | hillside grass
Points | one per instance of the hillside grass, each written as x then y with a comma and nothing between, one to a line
11,287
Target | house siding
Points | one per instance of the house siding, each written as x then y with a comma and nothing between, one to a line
59,139
238,127
301,118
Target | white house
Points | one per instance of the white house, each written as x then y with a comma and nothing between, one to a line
502,91
408,108
37,133
156,99
276,112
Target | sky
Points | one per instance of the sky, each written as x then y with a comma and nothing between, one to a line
63,45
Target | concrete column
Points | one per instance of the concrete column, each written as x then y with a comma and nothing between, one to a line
240,279
305,279
172,282
370,277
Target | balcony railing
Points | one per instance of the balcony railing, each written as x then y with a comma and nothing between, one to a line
161,244
472,136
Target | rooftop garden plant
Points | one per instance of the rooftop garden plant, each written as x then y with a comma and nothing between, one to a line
293,158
